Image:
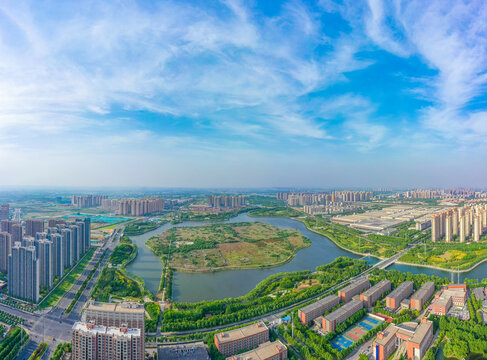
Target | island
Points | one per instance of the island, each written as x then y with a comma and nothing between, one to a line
227,246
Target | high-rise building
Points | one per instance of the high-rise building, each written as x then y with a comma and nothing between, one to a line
57,254
5,248
45,255
4,212
87,200
17,232
32,227
141,207
23,273
128,314
98,342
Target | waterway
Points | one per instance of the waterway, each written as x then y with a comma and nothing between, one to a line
191,287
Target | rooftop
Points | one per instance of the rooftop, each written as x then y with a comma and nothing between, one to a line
399,289
421,332
195,351
318,303
421,293
116,307
236,334
354,284
264,351
375,288
344,309
100,329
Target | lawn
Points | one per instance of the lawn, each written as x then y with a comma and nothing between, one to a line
68,281
222,246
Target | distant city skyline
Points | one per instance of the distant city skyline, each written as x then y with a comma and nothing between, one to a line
243,94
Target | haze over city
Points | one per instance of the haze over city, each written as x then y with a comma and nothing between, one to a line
243,93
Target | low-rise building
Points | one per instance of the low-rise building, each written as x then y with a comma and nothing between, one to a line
421,296
393,300
310,312
355,288
338,316
370,296
453,295
418,338
231,342
268,351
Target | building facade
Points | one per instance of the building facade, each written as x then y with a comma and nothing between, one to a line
338,316
310,312
275,350
231,342
370,296
393,300
347,293
421,296
23,273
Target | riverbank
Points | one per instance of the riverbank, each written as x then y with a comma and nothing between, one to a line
443,269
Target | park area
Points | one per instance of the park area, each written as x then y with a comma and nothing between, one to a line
355,332
225,246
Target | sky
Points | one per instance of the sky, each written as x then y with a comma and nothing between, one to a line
236,93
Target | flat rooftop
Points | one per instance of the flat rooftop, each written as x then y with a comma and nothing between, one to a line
343,310
264,351
195,351
397,291
354,284
421,293
100,329
236,334
421,332
317,304
133,307
376,287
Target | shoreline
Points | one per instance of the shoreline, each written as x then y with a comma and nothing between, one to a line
443,269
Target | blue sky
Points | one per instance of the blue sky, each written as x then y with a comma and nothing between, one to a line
243,93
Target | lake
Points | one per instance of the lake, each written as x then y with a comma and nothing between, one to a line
192,287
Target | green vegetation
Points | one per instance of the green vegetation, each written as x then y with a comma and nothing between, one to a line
61,349
67,281
450,256
37,355
10,319
154,311
124,253
264,200
141,227
12,344
274,293
276,211
179,216
85,283
461,339
225,246
113,282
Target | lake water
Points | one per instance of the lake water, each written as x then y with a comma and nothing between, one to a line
191,287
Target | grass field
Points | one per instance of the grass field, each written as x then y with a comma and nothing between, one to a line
239,245
447,255
68,281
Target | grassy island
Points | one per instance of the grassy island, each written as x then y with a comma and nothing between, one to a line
227,246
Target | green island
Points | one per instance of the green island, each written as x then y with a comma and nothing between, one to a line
451,256
275,211
274,293
115,281
141,227
227,246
